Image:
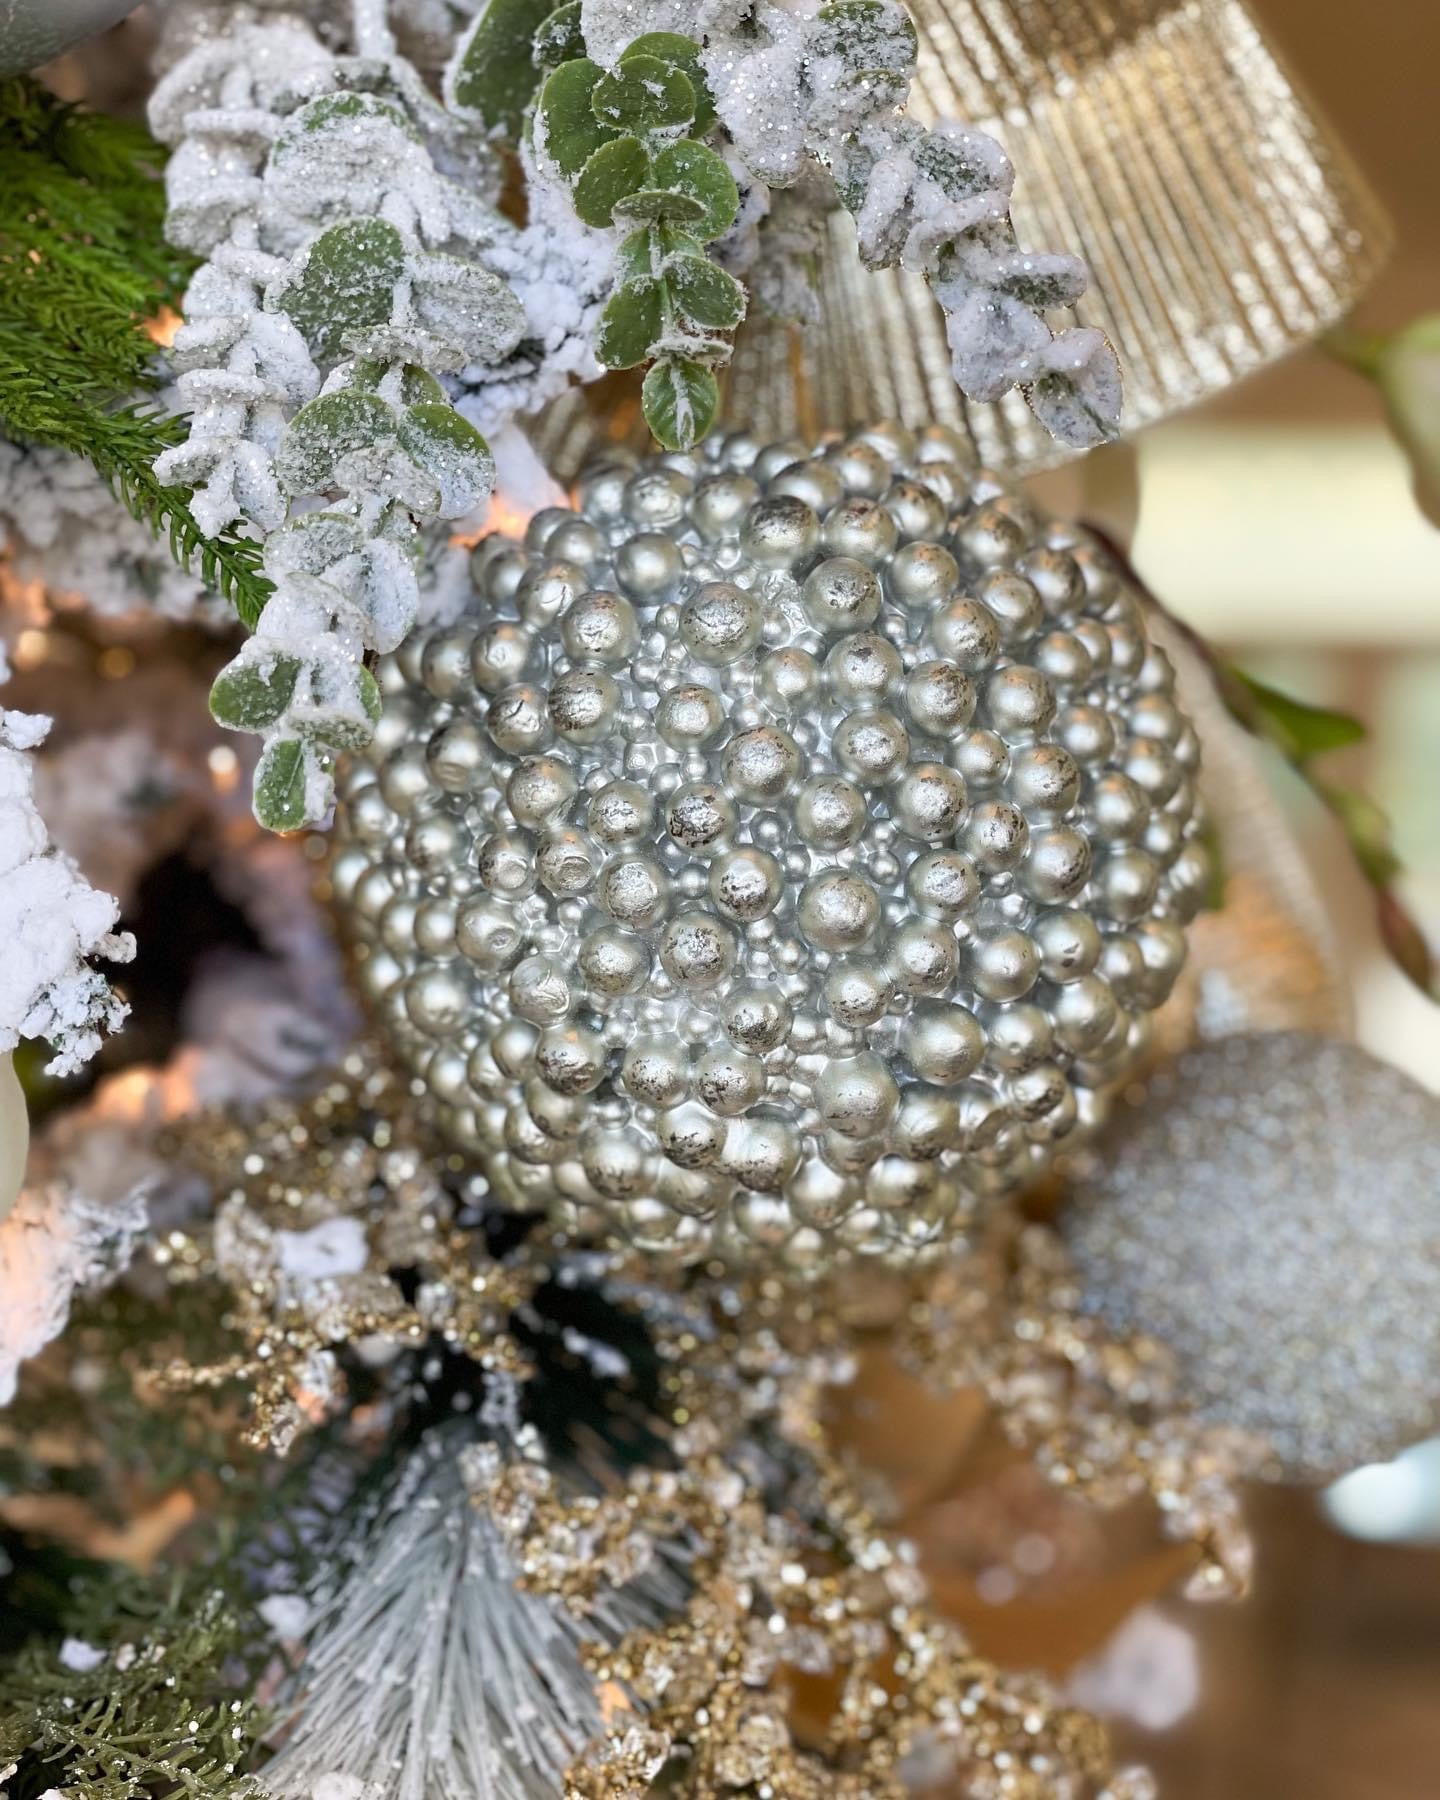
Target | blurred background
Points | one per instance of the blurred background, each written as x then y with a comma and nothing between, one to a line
1279,522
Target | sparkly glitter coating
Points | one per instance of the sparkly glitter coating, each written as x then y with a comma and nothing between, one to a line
784,855
1273,1213
801,1654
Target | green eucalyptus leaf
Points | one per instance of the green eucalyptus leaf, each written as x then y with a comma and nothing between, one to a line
639,254
1297,728
368,690
1042,279
494,73
368,372
417,385
467,306
565,123
559,38
338,728
1367,828
452,452
961,166
681,53
616,170
336,113
332,110
631,323
867,35
645,250
698,173
324,430
342,281
309,544
705,292
680,399
644,94
661,206
248,697
281,780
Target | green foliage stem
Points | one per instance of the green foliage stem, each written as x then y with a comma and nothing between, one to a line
1302,734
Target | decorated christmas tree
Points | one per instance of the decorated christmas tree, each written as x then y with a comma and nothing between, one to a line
597,991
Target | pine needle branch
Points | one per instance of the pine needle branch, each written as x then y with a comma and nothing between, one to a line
83,265
161,1713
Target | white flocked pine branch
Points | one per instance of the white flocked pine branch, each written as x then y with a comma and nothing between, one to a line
54,926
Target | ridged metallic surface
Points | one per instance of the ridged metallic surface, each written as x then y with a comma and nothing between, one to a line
1269,958
786,855
1164,142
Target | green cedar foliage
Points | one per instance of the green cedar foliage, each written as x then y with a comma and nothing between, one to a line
164,1713
83,264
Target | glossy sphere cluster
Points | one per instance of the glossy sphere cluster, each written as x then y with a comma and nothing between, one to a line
785,853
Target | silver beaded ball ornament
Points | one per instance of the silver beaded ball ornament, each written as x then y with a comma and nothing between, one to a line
783,856
1272,1212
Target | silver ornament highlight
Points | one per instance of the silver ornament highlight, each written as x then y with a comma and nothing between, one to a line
785,854
1273,1214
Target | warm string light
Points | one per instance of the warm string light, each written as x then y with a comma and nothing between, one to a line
31,649
224,767
162,327
506,517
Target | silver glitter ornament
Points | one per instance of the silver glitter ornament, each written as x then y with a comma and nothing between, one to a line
785,854
1273,1214
32,32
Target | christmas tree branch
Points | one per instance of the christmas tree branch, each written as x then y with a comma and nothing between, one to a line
83,265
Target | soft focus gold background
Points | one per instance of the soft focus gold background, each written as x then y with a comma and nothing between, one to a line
1278,520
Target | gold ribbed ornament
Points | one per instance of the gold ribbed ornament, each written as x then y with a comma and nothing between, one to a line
1162,140
1268,959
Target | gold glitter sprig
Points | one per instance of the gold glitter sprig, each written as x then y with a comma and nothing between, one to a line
354,1150
1098,1413
807,1660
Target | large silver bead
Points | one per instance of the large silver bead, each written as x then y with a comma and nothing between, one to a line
825,816
1272,1212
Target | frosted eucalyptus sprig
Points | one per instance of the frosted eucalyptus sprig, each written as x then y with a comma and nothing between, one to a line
627,141
937,202
789,91
342,278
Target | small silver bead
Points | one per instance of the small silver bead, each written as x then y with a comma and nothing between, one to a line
871,746
838,911
966,632
599,626
862,529
940,698
720,503
721,623
862,669
943,1042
